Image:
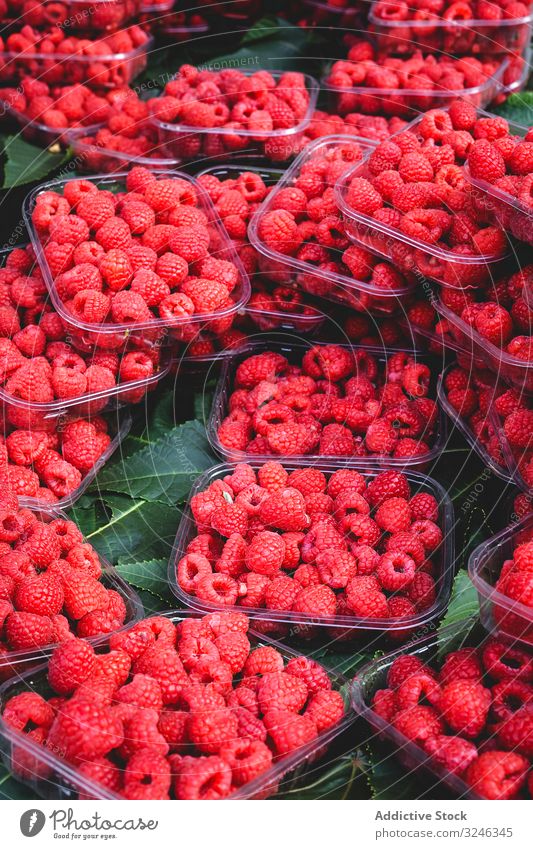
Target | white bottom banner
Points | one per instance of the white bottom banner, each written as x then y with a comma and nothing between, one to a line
255,825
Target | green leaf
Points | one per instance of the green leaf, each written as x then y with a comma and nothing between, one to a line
148,575
462,612
263,28
26,163
345,664
389,780
333,783
277,52
163,470
518,108
135,530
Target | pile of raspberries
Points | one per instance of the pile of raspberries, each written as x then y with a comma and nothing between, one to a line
55,56
47,458
50,582
499,314
177,25
317,544
422,316
128,130
99,15
419,76
177,711
373,127
273,307
263,106
129,258
460,37
505,161
473,716
302,221
478,402
369,330
415,186
337,402
58,107
38,365
516,583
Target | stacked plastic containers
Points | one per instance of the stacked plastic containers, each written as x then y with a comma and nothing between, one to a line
49,48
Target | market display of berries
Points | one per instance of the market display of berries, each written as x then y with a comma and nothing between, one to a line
99,15
472,714
451,26
213,113
312,543
150,255
371,83
38,366
192,710
414,190
299,228
51,582
47,459
334,401
53,56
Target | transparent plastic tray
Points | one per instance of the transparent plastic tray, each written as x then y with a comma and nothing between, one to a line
294,350
186,142
407,102
220,246
287,270
39,133
462,425
103,71
91,158
500,613
88,15
322,13
512,370
410,254
119,427
373,677
367,627
458,37
19,661
52,777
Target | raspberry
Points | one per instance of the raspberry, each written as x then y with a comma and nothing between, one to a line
464,705
418,724
210,730
363,197
247,759
393,515
314,675
451,753
461,664
85,730
424,506
497,775
502,661
203,778
316,600
27,710
83,594
395,571
40,595
365,599
385,485
325,708
284,510
517,427
289,731
516,732
272,476
485,161
281,691
147,776
262,661
281,593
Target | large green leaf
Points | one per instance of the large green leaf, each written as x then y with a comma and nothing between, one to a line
135,530
518,108
26,163
150,576
164,470
388,779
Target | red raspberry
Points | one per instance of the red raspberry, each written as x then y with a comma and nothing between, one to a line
26,710
41,594
203,778
314,675
401,668
464,704
247,758
419,687
284,510
147,776
502,661
385,485
234,649
521,159
365,599
516,732
281,593
517,427
393,515
451,753
419,723
209,730
289,731
84,730
83,594
497,775
218,589
325,708
272,476
424,506
281,691
363,197
28,630
395,570
485,161
316,600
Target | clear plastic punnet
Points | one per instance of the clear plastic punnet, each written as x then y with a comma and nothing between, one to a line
343,627
195,143
500,613
511,369
109,71
19,662
411,254
51,776
95,159
96,16
333,286
408,102
373,677
457,36
108,334
294,349
119,426
502,471
39,133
